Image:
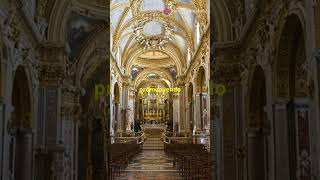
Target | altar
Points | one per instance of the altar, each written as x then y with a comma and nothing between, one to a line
153,130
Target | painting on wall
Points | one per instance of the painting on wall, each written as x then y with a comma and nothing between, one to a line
173,71
135,72
79,28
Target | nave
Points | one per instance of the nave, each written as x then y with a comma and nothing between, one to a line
159,90
151,163
158,158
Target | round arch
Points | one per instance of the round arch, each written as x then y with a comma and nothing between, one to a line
139,51
257,99
20,125
291,82
257,148
201,85
290,78
202,98
167,76
21,100
222,22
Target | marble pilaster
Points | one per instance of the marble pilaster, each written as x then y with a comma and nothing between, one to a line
22,160
281,137
131,110
256,154
176,112
197,114
50,102
182,119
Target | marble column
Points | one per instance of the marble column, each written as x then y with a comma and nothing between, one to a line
176,112
132,110
117,117
302,118
197,114
50,79
22,153
188,118
256,154
182,105
281,137
27,158
124,106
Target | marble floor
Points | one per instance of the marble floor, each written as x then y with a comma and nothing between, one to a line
151,164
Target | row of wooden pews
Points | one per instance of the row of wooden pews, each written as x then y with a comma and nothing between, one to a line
191,160
121,155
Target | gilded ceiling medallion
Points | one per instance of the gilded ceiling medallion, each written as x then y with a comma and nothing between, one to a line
153,39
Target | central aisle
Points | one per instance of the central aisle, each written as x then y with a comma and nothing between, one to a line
151,164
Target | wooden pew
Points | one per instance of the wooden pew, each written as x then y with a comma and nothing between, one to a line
121,156
191,160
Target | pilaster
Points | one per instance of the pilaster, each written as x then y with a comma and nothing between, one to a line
50,124
280,121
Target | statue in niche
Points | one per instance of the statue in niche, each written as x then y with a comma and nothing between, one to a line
237,26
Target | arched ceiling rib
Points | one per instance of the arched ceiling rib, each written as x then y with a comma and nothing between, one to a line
222,21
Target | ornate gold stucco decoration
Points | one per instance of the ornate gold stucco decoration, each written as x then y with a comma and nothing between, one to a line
152,42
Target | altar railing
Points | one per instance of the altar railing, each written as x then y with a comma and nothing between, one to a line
186,138
129,139
160,126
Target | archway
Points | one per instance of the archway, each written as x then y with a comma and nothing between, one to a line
291,84
190,103
94,123
257,144
202,98
20,127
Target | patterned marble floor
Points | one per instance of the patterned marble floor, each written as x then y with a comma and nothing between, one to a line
150,165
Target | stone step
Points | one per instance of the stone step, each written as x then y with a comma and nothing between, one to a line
153,143
153,148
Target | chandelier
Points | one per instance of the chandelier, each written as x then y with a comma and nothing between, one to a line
156,42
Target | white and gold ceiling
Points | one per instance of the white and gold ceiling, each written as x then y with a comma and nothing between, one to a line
155,37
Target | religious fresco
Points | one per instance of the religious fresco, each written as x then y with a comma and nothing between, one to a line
135,71
79,28
173,71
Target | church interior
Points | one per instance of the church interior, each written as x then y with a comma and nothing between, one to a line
159,90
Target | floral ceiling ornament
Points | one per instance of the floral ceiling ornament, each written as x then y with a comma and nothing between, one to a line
156,42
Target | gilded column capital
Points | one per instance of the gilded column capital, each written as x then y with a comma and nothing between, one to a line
71,106
280,102
228,74
181,81
51,74
52,68
71,110
52,52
